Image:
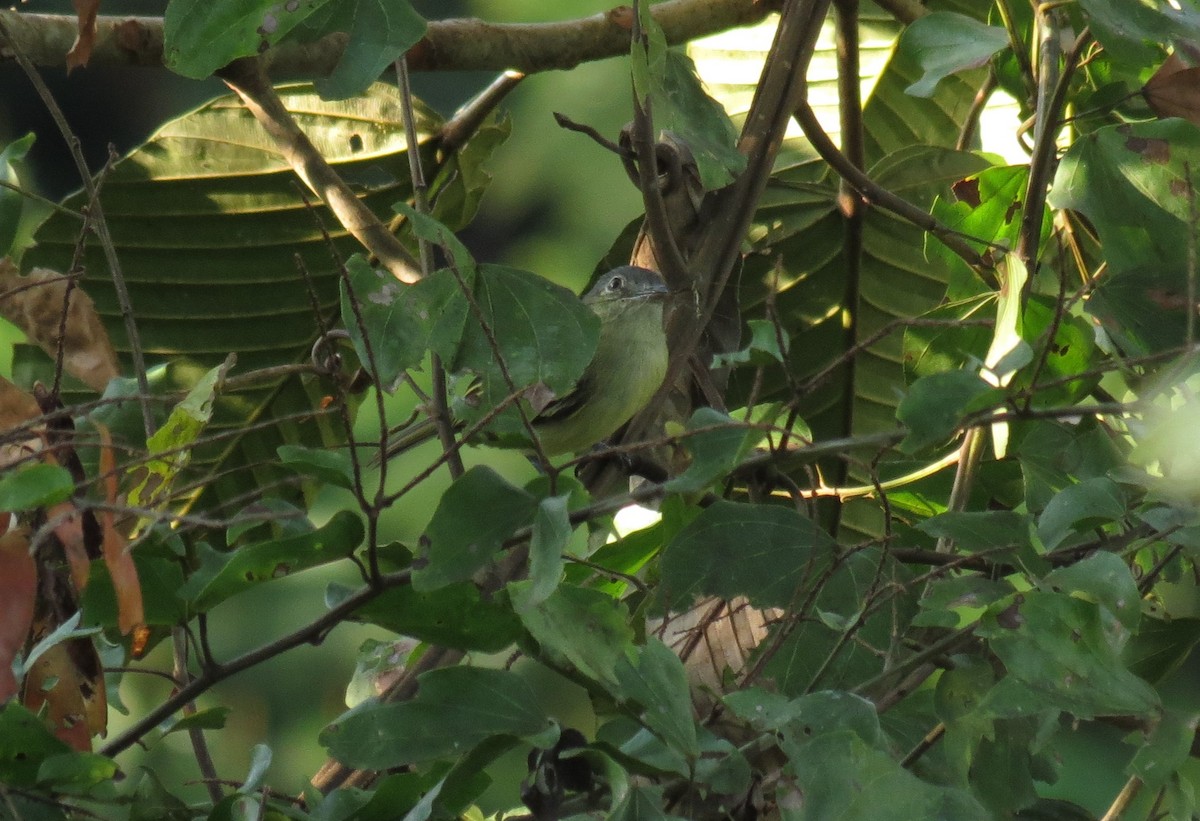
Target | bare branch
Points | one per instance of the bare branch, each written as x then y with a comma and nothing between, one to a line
448,45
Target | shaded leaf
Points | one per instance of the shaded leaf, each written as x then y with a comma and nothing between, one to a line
583,628
763,552
551,532
655,679
714,452
329,466
452,616
1091,502
473,518
454,709
936,405
1062,653
222,575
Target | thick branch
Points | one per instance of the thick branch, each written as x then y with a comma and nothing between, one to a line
464,44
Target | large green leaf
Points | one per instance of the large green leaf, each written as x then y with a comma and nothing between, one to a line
208,222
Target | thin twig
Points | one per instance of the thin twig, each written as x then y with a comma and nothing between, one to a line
217,673
441,403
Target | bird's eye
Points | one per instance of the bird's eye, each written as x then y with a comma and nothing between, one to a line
616,284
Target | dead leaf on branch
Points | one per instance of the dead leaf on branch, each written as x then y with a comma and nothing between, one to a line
17,409
34,303
81,50
18,589
1174,90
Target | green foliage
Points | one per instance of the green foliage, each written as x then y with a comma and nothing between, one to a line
938,525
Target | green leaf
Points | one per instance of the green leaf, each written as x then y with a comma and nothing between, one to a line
639,804
159,577
452,616
842,777
1140,33
832,711
551,532
396,319
1104,579
978,531
211,719
657,681
1077,507
454,709
330,466
225,574
935,405
34,486
763,552
1062,654
1139,169
1161,646
714,452
681,107
945,597
763,709
25,742
380,33
1166,750
583,628
170,448
200,36
768,343
16,210
473,518
462,180
545,335
944,43
76,771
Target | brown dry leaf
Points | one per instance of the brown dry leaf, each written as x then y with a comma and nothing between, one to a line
69,682
67,520
130,614
1174,90
17,409
34,303
81,50
18,589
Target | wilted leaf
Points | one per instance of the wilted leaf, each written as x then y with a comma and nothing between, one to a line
35,304
1174,90
116,553
67,681
18,587
17,409
81,49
